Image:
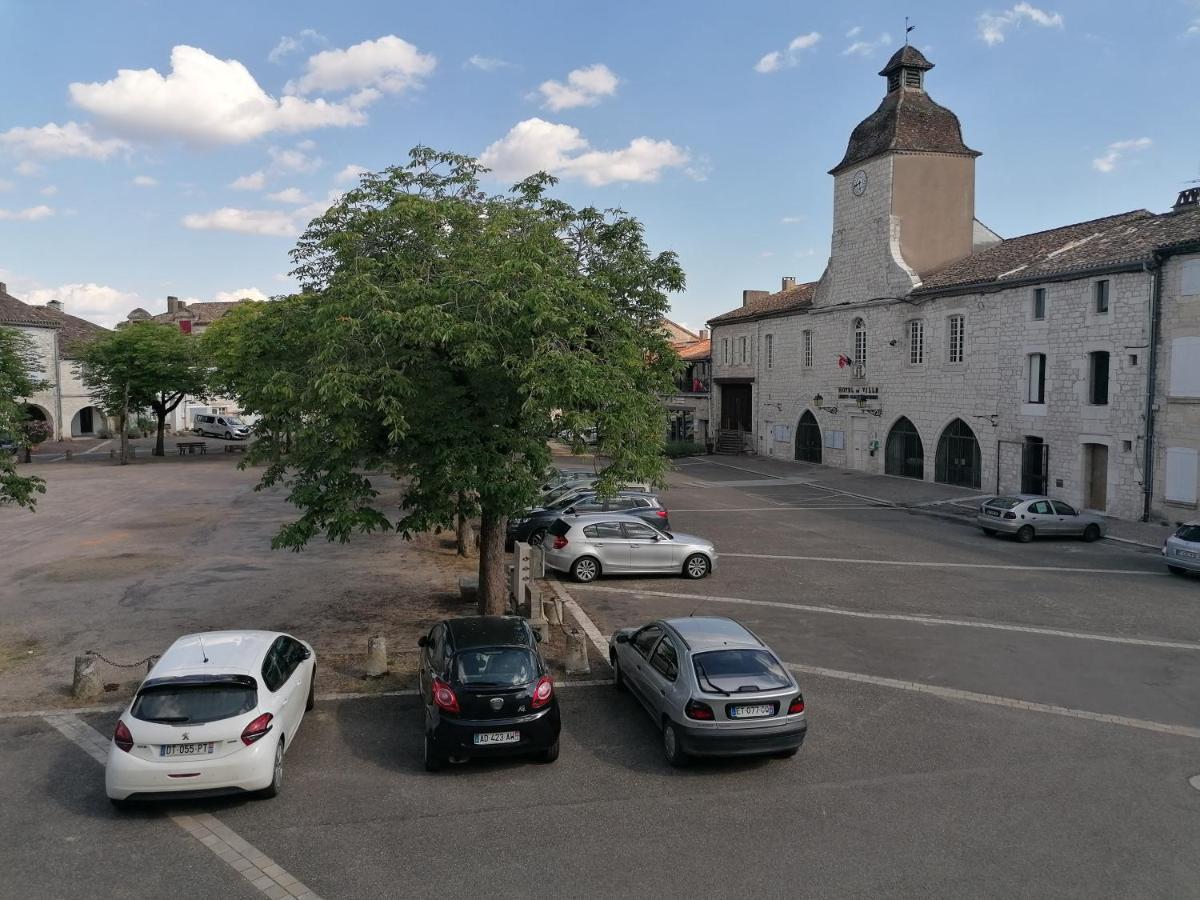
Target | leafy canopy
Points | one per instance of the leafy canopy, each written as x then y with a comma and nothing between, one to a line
19,366
154,362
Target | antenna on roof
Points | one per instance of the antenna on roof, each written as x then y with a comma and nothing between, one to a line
203,652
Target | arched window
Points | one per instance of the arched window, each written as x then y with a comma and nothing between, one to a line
860,346
808,438
958,458
905,454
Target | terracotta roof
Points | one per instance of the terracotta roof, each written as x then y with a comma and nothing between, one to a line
907,119
1125,239
696,350
780,302
906,57
201,312
14,312
72,329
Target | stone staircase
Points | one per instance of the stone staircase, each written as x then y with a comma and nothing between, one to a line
731,441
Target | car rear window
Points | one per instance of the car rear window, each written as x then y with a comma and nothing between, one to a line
1189,533
739,670
195,702
559,528
1004,502
500,666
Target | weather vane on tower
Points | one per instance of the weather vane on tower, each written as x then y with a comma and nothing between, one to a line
907,29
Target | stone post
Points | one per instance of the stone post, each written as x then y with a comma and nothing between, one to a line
86,684
577,657
377,663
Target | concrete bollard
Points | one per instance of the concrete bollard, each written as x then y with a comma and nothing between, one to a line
552,608
67,454
377,663
577,657
468,587
85,683
541,628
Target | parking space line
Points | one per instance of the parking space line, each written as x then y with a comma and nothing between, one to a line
939,565
782,509
995,700
589,627
900,617
263,873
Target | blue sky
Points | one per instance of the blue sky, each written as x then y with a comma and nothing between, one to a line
151,148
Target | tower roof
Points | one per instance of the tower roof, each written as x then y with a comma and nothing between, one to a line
908,57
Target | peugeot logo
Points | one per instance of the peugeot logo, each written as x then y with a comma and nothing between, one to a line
184,736
497,702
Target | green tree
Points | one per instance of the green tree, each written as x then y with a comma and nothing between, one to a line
441,336
18,362
143,365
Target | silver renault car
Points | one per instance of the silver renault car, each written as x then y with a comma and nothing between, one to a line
712,686
1027,516
591,544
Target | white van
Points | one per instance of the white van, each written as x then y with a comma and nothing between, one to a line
229,427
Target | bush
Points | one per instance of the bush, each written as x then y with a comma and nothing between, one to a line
683,448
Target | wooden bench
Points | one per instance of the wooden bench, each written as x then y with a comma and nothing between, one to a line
235,448
192,446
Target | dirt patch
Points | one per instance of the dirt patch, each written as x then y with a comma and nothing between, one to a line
14,653
96,568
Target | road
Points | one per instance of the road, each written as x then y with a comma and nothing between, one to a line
987,719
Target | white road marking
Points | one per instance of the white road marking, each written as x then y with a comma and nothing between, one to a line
994,700
919,620
781,509
1194,781
713,462
99,446
938,565
260,870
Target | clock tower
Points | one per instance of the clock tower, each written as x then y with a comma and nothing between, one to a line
904,193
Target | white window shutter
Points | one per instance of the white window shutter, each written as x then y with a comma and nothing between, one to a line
1182,468
1185,367
1191,278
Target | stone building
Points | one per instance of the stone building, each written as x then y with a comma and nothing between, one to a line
688,407
65,405
933,349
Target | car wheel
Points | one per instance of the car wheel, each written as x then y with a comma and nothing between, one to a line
585,569
1091,533
1025,534
276,785
674,753
1176,570
618,680
990,532
120,805
550,754
696,566
536,537
228,436
433,760
312,692
787,754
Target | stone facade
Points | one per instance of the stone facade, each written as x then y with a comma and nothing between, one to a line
1177,396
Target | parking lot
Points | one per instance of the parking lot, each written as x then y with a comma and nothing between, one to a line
986,719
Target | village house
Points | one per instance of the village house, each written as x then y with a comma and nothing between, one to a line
1065,361
688,407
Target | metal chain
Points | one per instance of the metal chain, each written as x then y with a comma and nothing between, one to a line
118,665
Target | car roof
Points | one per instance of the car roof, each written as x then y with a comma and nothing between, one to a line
713,632
225,651
582,519
487,631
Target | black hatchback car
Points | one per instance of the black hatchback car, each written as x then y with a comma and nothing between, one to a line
487,692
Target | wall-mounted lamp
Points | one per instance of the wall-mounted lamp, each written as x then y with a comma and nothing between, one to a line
818,400
994,419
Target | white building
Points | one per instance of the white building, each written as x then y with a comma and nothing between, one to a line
65,404
930,348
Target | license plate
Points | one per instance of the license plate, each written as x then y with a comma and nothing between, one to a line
187,749
994,512
498,737
1187,554
751,712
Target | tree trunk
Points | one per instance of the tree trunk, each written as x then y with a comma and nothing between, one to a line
162,427
124,422
463,538
493,592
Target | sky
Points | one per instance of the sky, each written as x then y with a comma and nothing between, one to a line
151,148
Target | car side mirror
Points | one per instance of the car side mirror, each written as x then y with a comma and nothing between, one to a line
657,538
423,641
569,511
622,638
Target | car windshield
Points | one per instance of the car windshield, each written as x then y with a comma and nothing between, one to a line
1190,533
1004,502
499,666
568,500
195,703
236,422
559,493
731,671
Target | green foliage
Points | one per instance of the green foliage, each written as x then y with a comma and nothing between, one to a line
682,448
18,359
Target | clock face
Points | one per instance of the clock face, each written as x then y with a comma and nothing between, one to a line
859,184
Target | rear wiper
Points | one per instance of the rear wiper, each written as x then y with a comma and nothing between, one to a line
704,674
168,720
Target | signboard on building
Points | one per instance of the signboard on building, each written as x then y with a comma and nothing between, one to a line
854,393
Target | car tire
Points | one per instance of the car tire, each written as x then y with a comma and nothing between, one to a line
276,785
536,537
787,754
1176,570
696,566
990,532
228,436
120,805
618,679
1025,534
433,760
550,754
585,569
1091,533
672,750
312,692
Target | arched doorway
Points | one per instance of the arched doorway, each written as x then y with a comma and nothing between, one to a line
808,438
37,424
86,422
905,454
958,458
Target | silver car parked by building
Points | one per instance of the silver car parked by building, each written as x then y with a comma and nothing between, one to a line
711,686
1181,549
1028,516
589,545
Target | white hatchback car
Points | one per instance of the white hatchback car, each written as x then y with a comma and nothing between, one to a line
214,716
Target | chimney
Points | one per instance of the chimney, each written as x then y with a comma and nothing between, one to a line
172,304
55,304
705,334
1189,197
751,296
789,282
3,288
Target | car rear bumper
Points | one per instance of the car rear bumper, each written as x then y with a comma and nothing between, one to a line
1181,562
129,777
456,737
1002,525
741,741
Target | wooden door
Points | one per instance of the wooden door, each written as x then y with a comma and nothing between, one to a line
1096,458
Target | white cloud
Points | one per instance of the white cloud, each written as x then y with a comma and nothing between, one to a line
389,64
246,221
791,220
777,59
288,45
28,168
52,141
868,48
204,100
537,145
854,32
289,195
146,181
1193,29
350,174
294,159
97,303
584,87
992,26
249,293
30,214
252,182
49,190
486,63
1116,150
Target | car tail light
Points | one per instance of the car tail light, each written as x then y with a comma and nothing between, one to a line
661,513
1010,515
796,706
543,692
697,710
560,541
122,738
443,696
257,729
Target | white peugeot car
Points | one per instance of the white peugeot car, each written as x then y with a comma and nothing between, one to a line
214,716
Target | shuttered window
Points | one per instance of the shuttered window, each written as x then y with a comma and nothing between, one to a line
1099,377
1181,474
1037,378
916,342
1185,367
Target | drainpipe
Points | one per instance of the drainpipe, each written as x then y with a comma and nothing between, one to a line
57,388
1154,267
